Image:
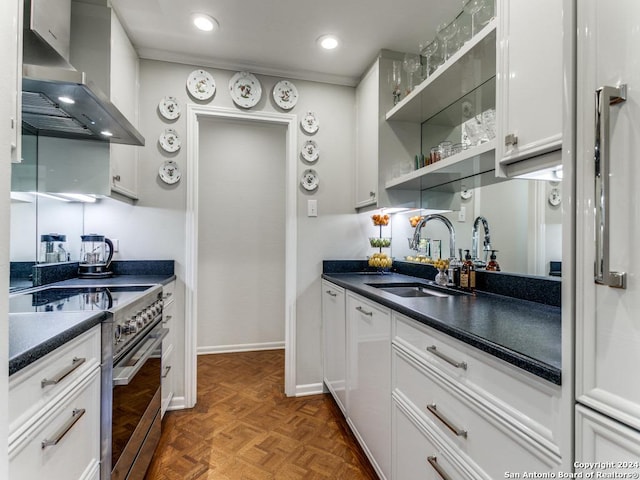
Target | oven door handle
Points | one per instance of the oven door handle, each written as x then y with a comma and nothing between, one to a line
124,375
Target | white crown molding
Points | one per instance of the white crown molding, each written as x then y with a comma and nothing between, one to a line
161,55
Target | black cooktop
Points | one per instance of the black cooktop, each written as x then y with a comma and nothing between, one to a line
74,299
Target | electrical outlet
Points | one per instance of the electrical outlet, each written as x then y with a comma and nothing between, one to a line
116,245
462,214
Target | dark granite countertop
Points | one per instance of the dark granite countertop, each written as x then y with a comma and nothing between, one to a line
524,333
33,335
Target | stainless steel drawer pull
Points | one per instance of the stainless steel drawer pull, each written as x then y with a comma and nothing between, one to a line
458,431
167,369
605,97
59,435
446,358
167,319
75,363
433,460
168,295
364,312
331,293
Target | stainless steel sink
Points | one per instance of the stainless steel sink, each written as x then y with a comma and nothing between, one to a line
413,289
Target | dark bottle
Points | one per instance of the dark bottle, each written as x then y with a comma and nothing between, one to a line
493,265
468,273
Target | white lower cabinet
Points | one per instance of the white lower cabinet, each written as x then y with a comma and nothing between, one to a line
612,446
168,347
369,379
418,453
64,442
453,394
334,337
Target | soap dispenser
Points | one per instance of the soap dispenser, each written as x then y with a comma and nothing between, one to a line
468,273
493,265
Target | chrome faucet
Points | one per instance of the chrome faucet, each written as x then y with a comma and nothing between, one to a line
435,216
475,237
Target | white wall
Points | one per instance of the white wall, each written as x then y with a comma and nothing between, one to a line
241,235
154,228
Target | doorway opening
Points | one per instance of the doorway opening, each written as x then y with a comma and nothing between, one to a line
200,120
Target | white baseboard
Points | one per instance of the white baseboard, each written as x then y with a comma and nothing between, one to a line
177,403
309,389
245,347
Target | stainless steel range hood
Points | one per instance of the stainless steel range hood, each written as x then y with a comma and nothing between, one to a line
57,99
91,116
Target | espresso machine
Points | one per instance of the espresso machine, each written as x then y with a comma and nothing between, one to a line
94,259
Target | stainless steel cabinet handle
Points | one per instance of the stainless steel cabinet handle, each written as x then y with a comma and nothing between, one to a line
433,460
605,97
458,431
75,363
59,435
446,358
166,319
331,293
168,295
167,369
510,139
372,194
364,312
116,178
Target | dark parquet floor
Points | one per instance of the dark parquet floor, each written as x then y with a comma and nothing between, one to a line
244,428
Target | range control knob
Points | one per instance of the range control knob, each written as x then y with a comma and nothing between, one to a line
130,327
140,320
117,333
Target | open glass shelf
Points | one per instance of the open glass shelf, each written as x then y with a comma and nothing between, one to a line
463,72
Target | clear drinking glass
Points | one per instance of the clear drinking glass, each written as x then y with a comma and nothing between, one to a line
411,64
395,79
446,32
428,52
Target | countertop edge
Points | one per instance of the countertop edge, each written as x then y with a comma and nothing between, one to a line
31,355
531,365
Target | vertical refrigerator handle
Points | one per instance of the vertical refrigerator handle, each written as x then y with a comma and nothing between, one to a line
605,97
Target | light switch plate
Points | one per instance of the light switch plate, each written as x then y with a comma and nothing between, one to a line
312,208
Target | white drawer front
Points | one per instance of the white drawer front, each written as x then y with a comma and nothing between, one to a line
168,369
29,391
525,398
418,454
483,435
77,450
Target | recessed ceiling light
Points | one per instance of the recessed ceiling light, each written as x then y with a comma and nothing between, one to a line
205,22
106,133
67,100
328,42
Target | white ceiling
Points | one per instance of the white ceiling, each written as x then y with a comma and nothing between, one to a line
278,37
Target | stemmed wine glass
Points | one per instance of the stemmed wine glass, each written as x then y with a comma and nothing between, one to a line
474,6
410,64
395,79
427,52
446,31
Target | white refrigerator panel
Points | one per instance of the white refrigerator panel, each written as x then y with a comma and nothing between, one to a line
608,318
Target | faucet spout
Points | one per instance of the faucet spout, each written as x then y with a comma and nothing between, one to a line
486,244
447,223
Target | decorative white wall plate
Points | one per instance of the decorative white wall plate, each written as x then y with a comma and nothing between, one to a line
310,123
285,94
245,89
201,85
170,141
309,180
310,151
169,172
169,108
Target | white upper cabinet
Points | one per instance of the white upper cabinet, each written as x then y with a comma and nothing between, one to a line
529,84
366,177
124,95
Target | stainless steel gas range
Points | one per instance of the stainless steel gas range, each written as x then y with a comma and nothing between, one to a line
130,367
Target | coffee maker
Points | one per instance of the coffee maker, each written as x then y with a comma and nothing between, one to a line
94,260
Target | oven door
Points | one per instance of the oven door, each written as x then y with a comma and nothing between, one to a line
136,405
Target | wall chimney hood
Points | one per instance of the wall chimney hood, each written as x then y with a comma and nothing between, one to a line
58,100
